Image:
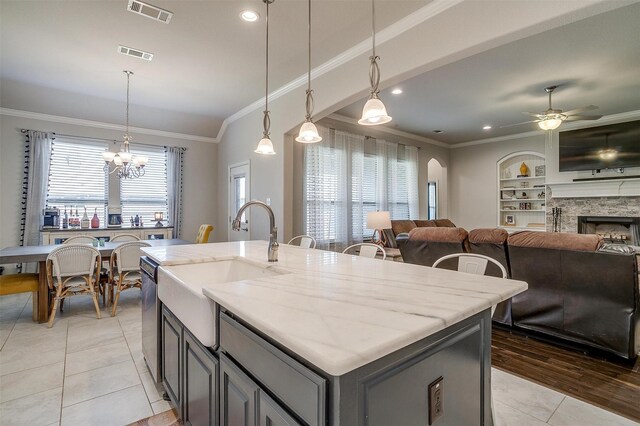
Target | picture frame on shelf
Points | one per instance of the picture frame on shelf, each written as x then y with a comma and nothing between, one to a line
540,170
510,220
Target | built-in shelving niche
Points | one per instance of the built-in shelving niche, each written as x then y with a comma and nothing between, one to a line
521,200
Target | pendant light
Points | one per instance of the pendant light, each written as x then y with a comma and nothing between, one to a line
374,111
125,164
265,146
308,130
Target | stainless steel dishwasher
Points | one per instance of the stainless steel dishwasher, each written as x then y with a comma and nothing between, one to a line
151,311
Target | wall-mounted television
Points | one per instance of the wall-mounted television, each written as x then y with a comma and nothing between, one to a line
598,148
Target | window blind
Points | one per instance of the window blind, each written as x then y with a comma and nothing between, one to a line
146,195
77,177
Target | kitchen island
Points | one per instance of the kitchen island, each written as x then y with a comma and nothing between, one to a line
323,338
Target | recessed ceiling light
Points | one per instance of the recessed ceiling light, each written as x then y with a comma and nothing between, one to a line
396,91
487,127
249,15
438,131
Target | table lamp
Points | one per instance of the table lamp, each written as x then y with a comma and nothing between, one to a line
378,221
159,216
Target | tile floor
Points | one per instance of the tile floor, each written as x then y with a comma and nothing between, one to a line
85,371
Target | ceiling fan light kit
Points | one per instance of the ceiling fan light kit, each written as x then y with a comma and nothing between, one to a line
374,111
308,130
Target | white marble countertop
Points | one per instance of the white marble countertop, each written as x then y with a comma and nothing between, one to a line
340,312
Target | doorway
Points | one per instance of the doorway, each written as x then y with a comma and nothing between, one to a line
239,194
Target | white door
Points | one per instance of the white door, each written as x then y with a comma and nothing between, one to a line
239,193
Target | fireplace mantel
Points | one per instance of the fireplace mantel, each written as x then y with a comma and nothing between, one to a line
603,188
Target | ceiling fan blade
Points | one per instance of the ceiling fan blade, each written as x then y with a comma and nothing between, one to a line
517,124
578,110
535,114
583,117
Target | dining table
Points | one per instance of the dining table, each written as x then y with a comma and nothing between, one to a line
28,254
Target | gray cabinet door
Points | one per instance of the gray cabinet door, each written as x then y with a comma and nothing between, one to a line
238,396
200,396
272,414
172,357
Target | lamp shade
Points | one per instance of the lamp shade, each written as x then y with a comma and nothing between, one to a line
308,133
550,123
374,113
265,147
378,220
108,156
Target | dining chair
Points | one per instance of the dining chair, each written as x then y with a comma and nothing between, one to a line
73,270
367,250
123,238
306,241
124,269
474,264
80,239
203,233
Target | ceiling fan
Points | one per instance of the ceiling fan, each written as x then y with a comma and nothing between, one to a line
552,118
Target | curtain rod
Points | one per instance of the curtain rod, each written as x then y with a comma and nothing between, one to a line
94,139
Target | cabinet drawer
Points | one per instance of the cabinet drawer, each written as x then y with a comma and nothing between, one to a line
301,389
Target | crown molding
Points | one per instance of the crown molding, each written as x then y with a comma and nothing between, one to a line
397,28
102,125
390,130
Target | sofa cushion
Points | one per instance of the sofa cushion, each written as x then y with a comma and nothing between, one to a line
425,223
488,235
442,235
555,240
400,226
444,223
619,248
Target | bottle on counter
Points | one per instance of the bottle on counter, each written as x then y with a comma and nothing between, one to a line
95,220
65,219
77,218
85,223
136,221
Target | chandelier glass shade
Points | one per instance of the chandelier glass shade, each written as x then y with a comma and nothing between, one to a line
551,122
374,111
308,131
265,146
124,163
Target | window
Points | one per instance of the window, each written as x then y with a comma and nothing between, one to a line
432,192
77,178
346,179
146,195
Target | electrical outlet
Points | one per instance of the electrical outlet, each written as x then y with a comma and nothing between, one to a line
436,400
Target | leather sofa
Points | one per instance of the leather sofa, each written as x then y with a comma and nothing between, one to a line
405,226
577,292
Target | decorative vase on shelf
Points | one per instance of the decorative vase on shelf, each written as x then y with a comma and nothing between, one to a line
85,222
95,220
524,170
507,174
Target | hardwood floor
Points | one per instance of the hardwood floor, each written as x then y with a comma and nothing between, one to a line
610,384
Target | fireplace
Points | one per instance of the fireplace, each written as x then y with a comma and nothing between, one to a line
624,230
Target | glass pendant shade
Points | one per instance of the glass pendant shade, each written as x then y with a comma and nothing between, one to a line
108,156
308,133
550,123
117,160
265,147
373,113
125,157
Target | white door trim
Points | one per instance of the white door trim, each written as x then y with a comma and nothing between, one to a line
229,195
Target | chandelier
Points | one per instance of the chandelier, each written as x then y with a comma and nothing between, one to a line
308,130
125,164
265,146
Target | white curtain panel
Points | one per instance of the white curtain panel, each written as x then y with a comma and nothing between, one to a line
411,160
174,188
39,165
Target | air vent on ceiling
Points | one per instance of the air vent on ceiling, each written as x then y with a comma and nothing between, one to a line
150,11
136,53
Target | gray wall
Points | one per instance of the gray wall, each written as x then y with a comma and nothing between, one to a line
200,174
473,196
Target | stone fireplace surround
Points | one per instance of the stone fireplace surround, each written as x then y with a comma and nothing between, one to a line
572,208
